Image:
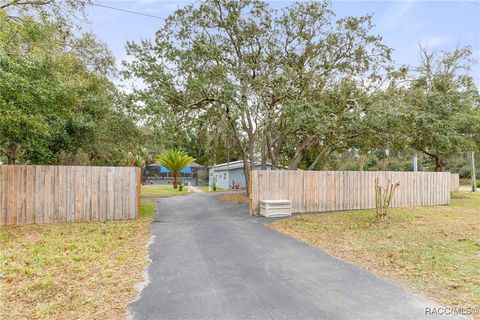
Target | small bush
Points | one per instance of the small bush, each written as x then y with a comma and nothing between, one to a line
180,187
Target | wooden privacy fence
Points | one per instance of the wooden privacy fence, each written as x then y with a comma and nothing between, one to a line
51,194
455,181
319,191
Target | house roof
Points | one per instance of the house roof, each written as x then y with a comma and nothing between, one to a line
233,165
228,165
155,164
195,165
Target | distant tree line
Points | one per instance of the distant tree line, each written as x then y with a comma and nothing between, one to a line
57,104
301,88
233,80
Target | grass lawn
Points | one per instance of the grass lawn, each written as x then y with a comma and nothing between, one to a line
434,251
205,188
161,191
72,271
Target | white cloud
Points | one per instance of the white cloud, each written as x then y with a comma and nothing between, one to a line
434,41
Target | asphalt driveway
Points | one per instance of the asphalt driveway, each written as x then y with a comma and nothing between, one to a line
211,260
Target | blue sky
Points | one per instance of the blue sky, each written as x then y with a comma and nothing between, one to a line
403,25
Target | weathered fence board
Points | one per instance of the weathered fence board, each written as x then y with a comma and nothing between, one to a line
55,194
455,181
321,191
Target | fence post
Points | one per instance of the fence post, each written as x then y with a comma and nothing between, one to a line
139,190
250,193
474,173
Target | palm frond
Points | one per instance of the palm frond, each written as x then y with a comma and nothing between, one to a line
175,159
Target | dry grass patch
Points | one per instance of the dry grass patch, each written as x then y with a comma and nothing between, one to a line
434,251
72,271
239,198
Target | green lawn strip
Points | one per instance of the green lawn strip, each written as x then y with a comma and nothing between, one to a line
147,209
73,270
432,250
162,191
205,188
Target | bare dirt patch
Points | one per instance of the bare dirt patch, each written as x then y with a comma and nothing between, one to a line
239,198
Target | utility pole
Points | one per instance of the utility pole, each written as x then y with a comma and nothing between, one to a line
415,163
474,177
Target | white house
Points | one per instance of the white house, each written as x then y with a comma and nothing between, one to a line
230,175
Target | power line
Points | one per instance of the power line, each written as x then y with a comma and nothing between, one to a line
127,11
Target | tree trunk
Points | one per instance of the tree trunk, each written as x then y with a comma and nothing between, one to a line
439,165
319,156
273,156
74,160
247,169
439,162
361,161
246,172
175,174
300,151
133,159
264,155
11,154
251,154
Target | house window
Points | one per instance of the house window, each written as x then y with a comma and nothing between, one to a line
225,175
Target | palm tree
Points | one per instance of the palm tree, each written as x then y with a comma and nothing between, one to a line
175,160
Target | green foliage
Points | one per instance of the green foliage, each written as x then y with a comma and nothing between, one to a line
277,86
175,160
66,12
236,72
438,113
57,105
228,81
